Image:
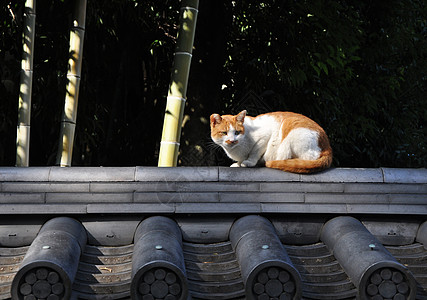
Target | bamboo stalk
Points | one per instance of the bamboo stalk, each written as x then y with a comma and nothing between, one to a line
168,155
69,115
25,89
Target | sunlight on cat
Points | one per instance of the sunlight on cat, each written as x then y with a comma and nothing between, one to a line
281,140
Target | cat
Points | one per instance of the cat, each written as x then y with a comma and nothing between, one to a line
281,140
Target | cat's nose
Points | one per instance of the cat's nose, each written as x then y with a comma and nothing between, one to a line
230,142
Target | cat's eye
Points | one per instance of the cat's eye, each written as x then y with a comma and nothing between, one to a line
224,133
237,132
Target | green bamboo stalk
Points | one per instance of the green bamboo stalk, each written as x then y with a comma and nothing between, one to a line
69,115
26,85
171,135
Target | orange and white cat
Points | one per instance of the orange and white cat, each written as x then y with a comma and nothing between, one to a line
281,140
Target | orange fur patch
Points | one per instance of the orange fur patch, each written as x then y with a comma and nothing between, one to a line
290,121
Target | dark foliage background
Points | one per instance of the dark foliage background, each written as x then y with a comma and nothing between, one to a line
358,68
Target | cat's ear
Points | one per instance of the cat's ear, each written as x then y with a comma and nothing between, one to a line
215,119
241,116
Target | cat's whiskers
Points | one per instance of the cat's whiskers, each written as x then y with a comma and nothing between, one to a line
211,145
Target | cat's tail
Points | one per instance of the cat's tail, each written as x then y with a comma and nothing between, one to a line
296,165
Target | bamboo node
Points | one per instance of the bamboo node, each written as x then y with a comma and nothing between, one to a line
170,143
190,8
184,53
176,98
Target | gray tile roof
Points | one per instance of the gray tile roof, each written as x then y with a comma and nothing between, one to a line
387,205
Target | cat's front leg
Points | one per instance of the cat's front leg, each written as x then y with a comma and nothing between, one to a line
254,156
248,163
243,164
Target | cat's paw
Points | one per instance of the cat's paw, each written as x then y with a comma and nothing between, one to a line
235,165
247,163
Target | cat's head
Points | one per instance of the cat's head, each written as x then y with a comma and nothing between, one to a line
228,130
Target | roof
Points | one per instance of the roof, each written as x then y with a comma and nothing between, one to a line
384,211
